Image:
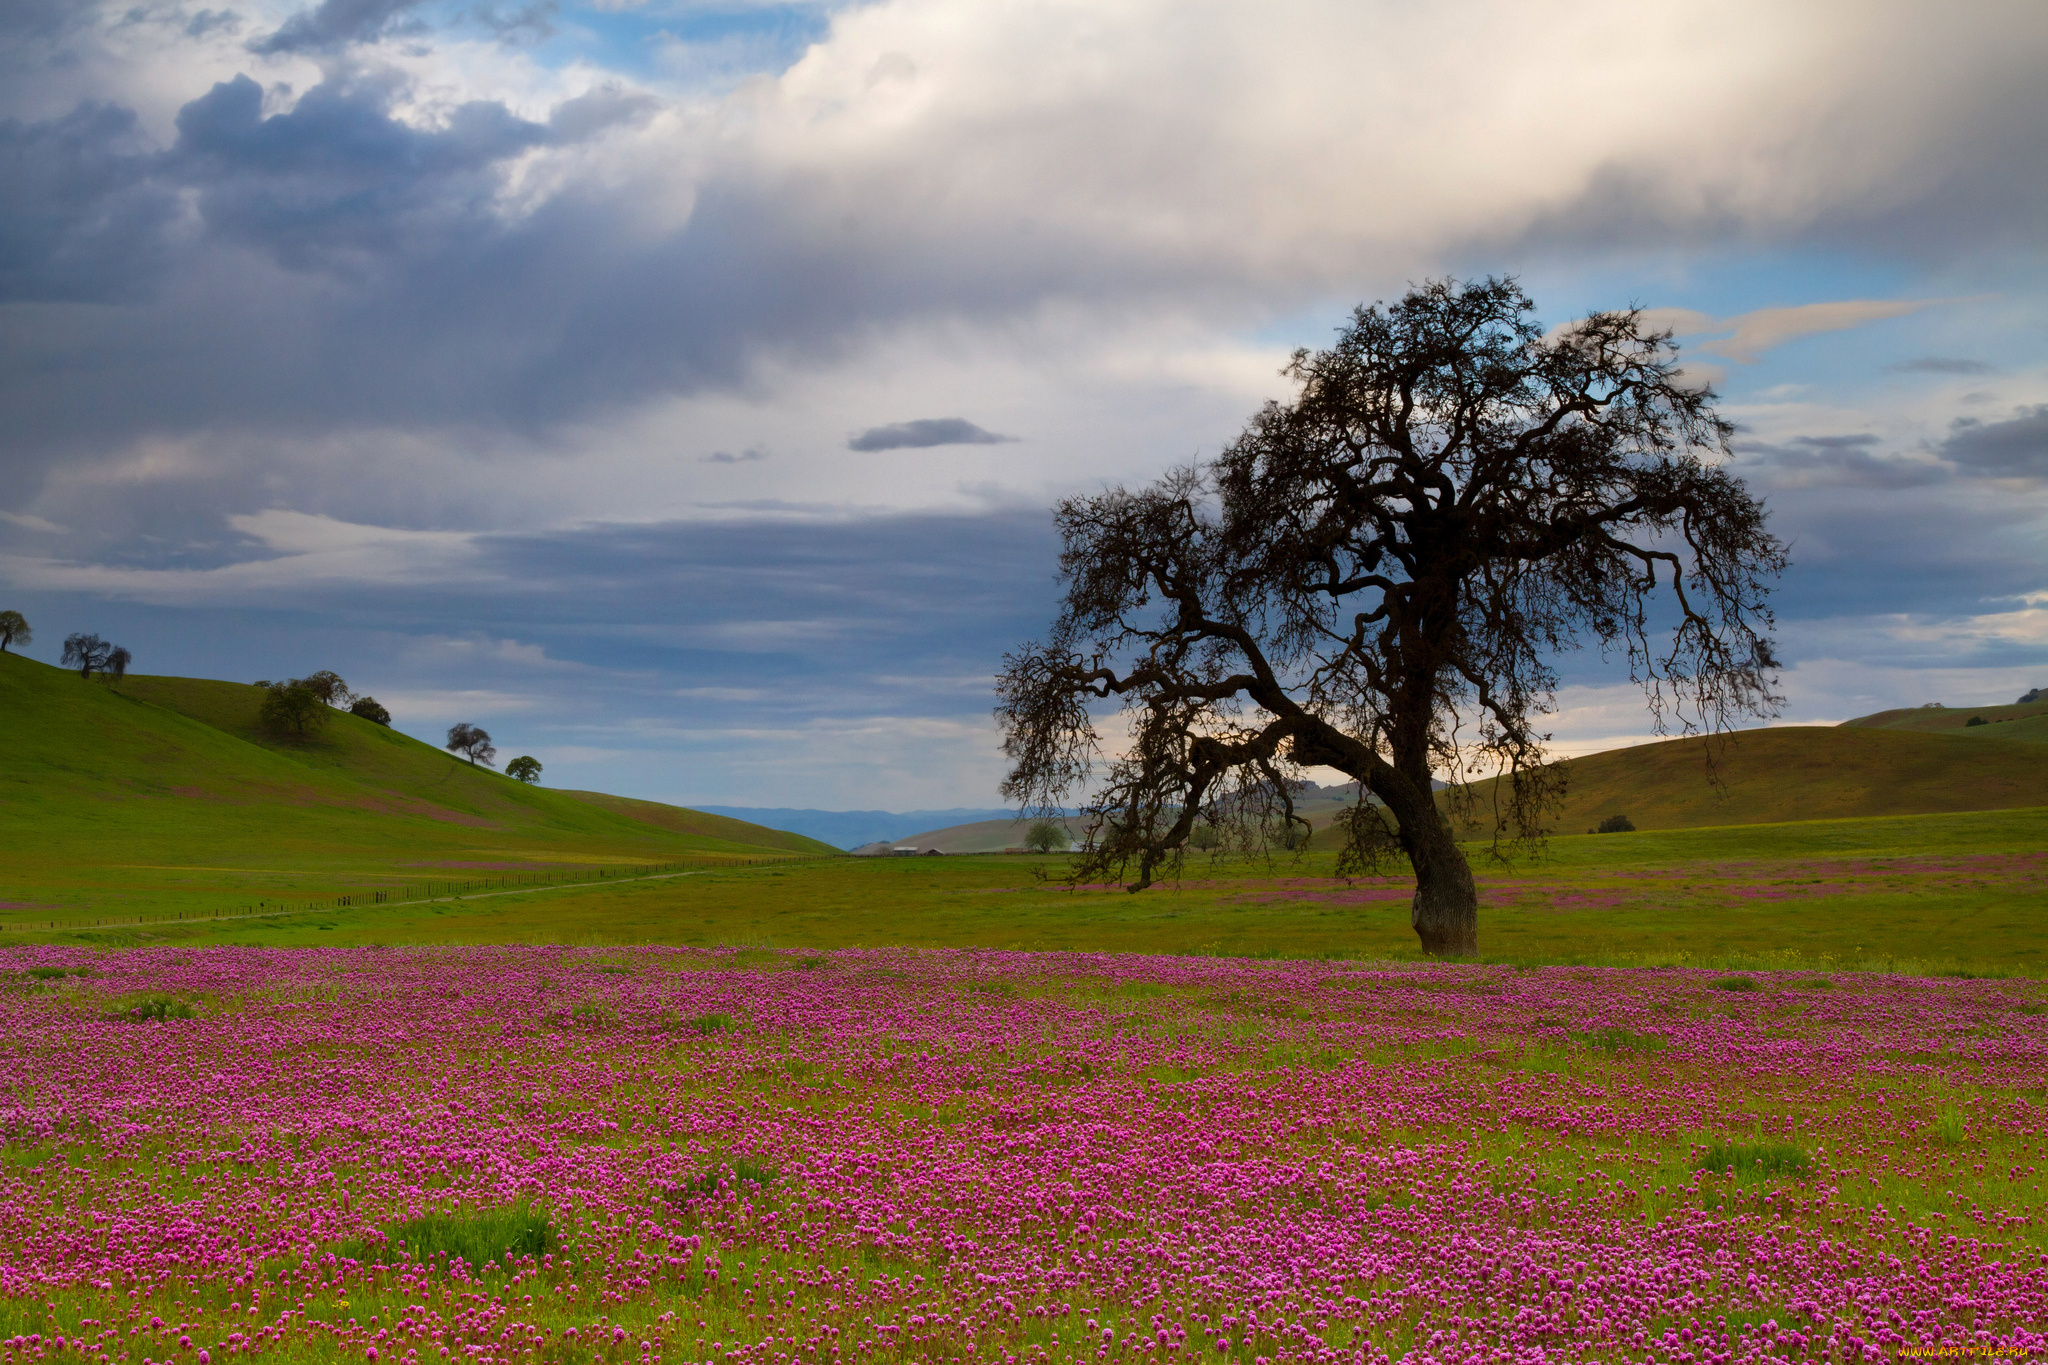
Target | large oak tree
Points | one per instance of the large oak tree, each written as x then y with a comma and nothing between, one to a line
1379,576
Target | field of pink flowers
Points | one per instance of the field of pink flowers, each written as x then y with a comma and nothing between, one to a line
885,1155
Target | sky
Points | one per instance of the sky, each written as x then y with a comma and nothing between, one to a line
680,390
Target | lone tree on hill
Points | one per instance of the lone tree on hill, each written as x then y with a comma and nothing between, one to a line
1374,578
1047,835
89,654
328,686
14,630
300,704
473,742
293,706
526,768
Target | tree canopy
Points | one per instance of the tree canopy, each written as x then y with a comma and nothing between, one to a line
292,707
1378,577
300,705
473,742
1045,836
14,630
526,768
370,709
89,654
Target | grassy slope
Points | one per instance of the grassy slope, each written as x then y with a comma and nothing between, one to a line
2022,724
104,786
701,824
1798,773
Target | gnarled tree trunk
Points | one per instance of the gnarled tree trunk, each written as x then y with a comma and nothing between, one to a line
1445,913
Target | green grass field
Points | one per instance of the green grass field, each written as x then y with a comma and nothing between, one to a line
1939,892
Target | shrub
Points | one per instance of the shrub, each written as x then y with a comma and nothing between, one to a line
370,709
1617,824
155,1008
1947,1127
483,1239
1975,720
1755,1158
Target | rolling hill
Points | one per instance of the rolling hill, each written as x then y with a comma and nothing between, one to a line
1797,773
167,773
2025,723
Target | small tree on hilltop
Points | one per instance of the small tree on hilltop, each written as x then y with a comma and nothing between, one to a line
525,767
1048,835
89,654
14,630
1376,578
369,709
472,742
291,707
328,686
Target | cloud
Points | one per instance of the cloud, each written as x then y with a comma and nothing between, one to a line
925,432
33,523
2016,448
1843,461
85,214
746,456
335,24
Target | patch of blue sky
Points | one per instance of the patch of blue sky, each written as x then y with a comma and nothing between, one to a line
1720,284
640,42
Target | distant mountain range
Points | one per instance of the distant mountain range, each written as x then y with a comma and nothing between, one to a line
852,828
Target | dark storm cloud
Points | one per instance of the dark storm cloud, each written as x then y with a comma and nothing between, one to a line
2016,448
83,215
335,24
926,432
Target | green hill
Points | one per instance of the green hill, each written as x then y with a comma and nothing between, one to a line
2026,723
160,787
1799,773
1792,773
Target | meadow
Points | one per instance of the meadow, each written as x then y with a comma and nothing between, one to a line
555,1154
1953,892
